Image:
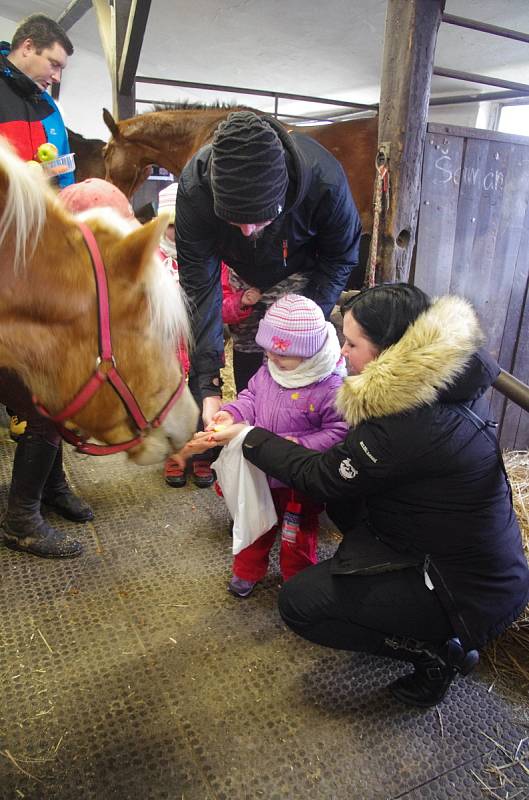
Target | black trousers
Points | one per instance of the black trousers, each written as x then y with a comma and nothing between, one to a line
359,612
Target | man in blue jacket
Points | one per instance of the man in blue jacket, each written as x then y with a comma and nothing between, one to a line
28,68
278,210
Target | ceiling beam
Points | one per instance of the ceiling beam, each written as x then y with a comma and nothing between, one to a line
73,13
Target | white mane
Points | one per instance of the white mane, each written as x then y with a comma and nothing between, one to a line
167,303
24,211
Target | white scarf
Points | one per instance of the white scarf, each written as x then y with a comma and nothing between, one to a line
168,247
314,369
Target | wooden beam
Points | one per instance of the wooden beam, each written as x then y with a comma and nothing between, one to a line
106,25
73,13
409,47
131,46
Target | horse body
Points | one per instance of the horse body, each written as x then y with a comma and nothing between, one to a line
169,139
49,312
89,161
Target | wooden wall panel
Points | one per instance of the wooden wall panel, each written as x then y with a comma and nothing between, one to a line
473,240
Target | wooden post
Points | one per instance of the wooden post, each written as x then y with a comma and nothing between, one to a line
409,47
122,27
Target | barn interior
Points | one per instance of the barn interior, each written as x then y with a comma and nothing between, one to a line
131,672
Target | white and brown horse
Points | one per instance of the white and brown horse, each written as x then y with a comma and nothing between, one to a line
114,370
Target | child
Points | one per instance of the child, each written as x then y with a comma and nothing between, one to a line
291,395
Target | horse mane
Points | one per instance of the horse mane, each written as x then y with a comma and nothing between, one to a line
167,306
24,212
186,105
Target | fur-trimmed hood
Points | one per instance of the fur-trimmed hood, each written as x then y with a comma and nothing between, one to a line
415,371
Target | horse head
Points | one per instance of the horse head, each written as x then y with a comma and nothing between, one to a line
128,161
49,314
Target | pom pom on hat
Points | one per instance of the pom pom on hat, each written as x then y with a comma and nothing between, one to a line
249,177
293,326
95,193
167,200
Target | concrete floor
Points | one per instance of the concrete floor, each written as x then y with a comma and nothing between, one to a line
131,673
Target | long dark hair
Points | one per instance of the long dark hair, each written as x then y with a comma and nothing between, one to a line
384,312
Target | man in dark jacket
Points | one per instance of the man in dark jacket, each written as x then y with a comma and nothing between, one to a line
28,67
278,210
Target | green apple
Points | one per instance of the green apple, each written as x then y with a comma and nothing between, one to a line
47,152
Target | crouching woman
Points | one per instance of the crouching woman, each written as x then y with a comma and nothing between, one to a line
431,566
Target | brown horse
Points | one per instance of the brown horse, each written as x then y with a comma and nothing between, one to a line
49,314
169,138
89,161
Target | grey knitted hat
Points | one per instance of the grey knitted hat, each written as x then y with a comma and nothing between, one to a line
249,176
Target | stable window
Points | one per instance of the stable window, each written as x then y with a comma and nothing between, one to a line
514,118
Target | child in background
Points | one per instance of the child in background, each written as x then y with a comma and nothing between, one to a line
292,395
166,202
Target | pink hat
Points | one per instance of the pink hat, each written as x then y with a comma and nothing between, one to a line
292,326
95,193
167,200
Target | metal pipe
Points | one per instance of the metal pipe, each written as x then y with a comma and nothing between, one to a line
473,78
478,97
513,389
244,90
484,27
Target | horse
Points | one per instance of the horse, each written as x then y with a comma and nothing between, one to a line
169,138
102,363
89,161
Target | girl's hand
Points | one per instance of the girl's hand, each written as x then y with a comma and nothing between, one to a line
291,439
222,437
251,296
220,420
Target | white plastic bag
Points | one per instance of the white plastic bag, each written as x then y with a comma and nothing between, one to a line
246,492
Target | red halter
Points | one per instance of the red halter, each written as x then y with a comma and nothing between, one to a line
105,370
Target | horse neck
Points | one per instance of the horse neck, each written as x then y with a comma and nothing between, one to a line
174,135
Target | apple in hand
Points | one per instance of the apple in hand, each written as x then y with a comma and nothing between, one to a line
47,152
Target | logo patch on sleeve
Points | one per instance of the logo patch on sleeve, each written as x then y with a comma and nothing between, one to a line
346,470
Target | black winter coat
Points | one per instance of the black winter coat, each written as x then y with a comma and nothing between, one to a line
318,233
416,481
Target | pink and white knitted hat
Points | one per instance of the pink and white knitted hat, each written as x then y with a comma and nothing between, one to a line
167,200
292,326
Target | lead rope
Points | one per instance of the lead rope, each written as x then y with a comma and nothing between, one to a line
381,191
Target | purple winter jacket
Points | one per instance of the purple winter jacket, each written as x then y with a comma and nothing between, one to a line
307,413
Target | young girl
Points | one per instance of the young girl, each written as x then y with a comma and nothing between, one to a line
293,395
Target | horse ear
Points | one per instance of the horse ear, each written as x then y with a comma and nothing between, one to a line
111,124
134,252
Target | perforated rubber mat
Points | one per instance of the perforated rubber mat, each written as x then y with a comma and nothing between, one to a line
132,673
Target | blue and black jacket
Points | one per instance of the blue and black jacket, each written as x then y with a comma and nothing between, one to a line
28,116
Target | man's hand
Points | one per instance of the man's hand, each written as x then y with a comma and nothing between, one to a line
210,407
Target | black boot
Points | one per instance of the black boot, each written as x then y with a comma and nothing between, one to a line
435,669
24,527
58,495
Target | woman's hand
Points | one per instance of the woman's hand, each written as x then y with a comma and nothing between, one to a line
204,440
